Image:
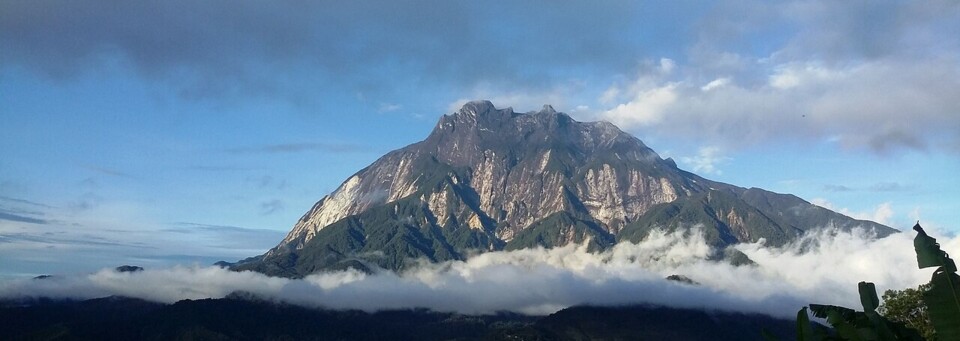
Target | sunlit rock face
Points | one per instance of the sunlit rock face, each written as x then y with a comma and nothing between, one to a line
490,179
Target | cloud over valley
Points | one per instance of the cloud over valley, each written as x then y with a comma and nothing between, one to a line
820,268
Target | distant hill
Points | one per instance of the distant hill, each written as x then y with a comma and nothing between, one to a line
239,318
492,179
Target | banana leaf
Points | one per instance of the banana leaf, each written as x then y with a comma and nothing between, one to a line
943,297
844,320
804,329
943,304
868,296
929,253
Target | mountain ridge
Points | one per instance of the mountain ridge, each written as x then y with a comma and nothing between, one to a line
488,179
240,316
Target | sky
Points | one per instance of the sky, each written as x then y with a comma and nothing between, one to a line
183,132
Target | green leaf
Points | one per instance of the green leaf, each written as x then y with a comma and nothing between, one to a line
929,253
943,304
868,296
877,326
845,329
844,320
883,328
804,329
822,310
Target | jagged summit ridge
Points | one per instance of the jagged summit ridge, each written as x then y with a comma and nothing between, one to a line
459,138
492,179
548,109
492,144
478,107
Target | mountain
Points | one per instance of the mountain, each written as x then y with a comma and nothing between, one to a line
240,318
490,179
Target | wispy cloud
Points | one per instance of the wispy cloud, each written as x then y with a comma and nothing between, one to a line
266,182
19,210
302,147
271,206
216,239
108,171
388,107
881,214
209,168
707,160
63,240
190,227
877,187
837,188
14,217
888,187
24,201
94,239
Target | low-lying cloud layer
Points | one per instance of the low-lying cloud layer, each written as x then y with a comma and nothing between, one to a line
820,268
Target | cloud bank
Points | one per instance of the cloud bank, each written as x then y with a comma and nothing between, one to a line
880,106
880,75
227,48
823,267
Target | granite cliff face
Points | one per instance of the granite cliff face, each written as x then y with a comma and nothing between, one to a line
492,179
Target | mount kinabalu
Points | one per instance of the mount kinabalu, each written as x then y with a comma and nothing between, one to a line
491,179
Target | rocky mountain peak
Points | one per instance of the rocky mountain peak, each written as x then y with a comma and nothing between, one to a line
482,118
548,109
479,131
476,108
493,179
477,114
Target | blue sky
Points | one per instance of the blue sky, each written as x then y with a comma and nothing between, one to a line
171,132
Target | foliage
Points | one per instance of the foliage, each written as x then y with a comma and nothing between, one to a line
906,306
866,325
941,298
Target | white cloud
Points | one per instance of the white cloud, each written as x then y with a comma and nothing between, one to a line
877,105
388,107
716,83
647,108
542,281
880,77
784,81
883,213
706,160
667,65
823,203
790,76
610,95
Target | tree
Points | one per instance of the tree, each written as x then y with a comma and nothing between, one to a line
907,306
